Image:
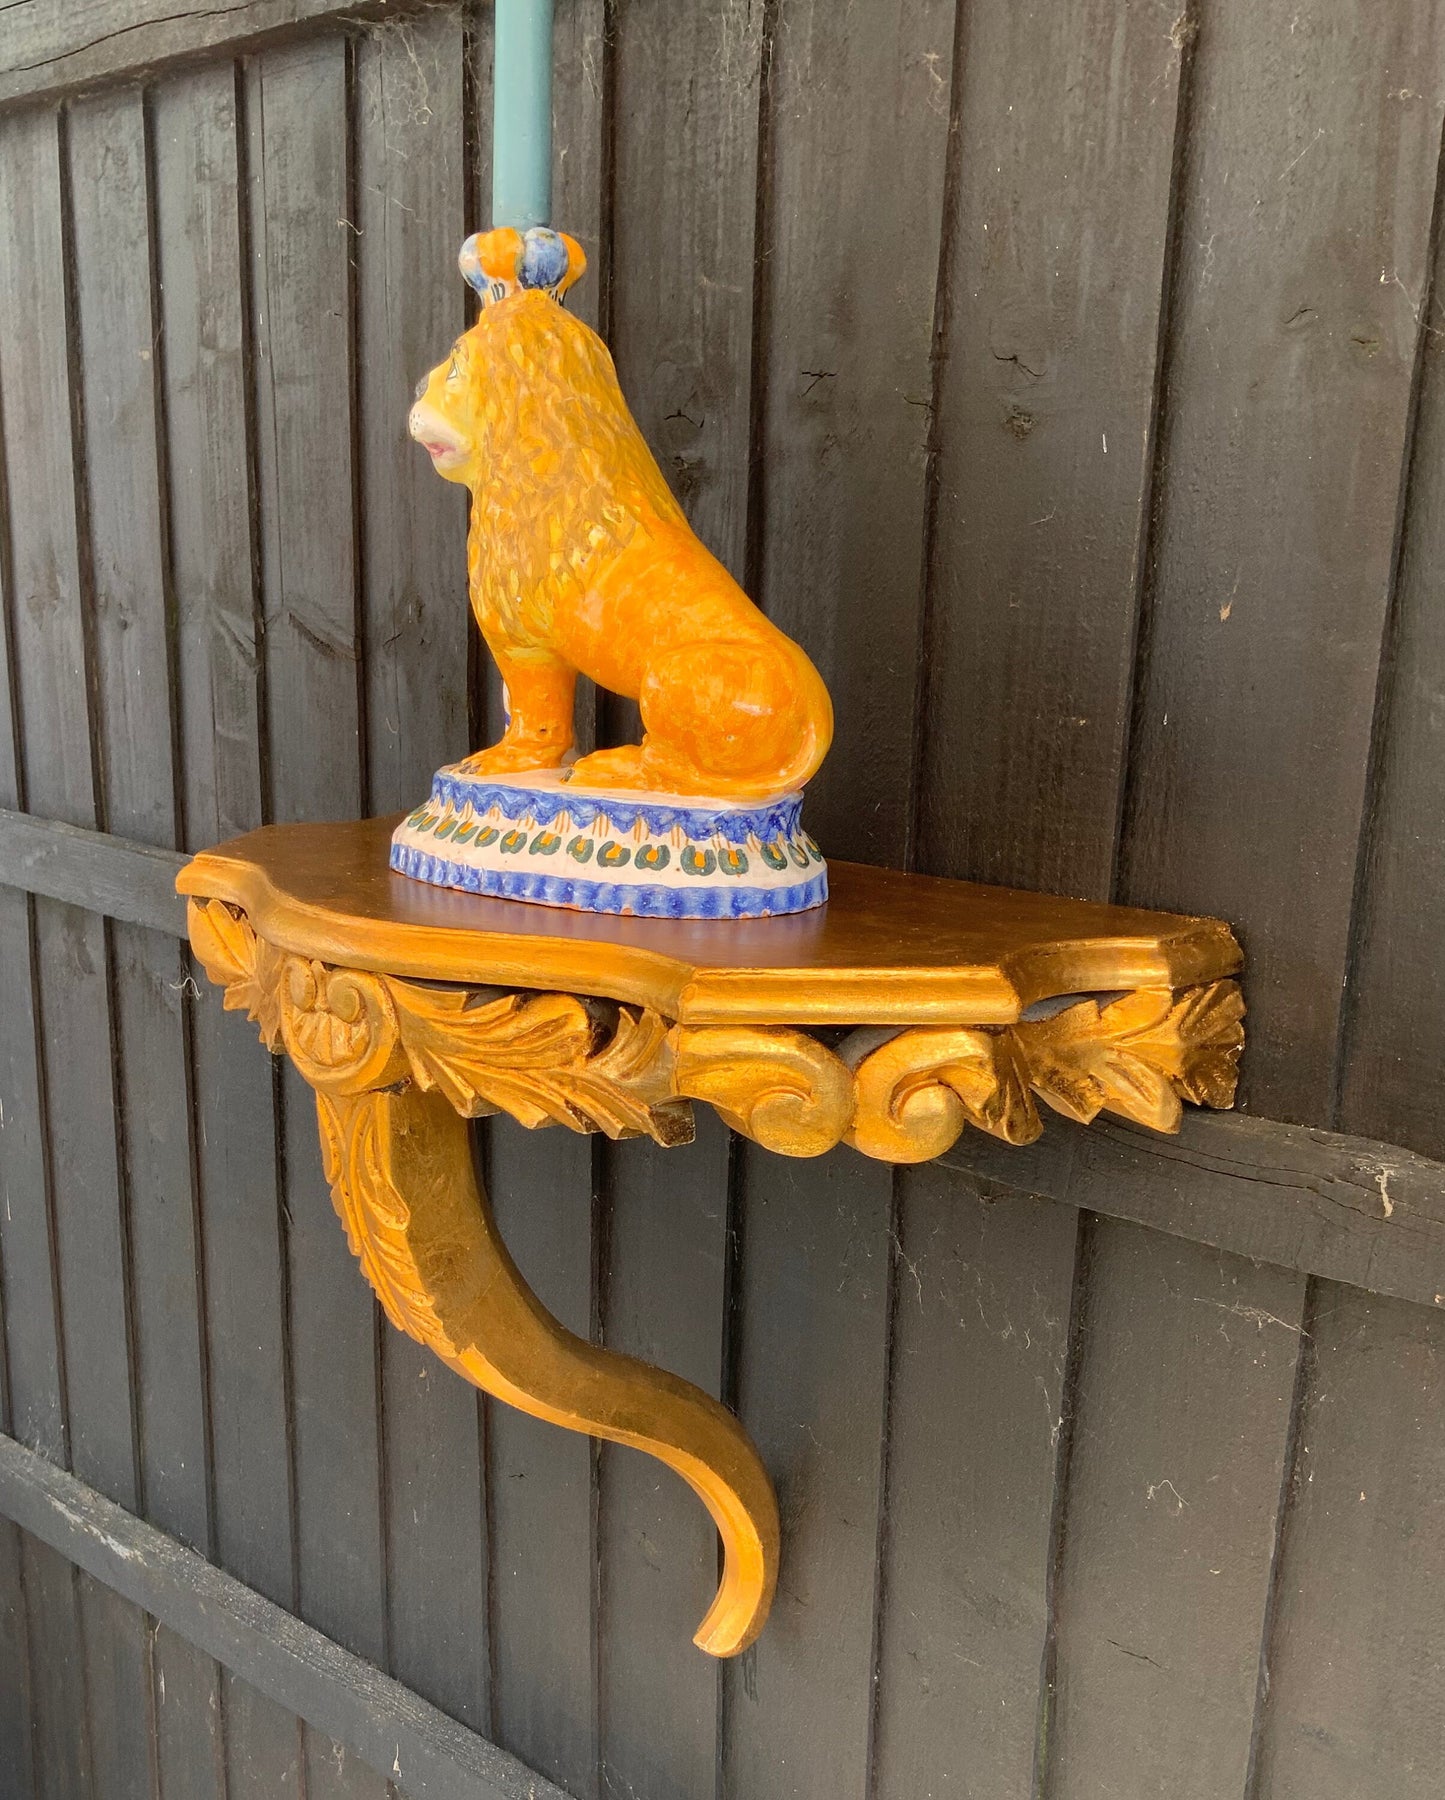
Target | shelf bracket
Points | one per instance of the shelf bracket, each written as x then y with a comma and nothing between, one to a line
399,1062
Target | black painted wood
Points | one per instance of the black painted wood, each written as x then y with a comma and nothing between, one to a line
1055,244
664,1286
50,46
1355,1641
16,1708
94,869
302,228
1167,1538
811,1349
852,210
540,1494
1393,1048
1304,245
368,1714
977,1429
201,261
1350,1209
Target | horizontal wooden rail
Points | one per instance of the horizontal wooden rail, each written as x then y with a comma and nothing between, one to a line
105,874
392,1730
52,46
1349,1209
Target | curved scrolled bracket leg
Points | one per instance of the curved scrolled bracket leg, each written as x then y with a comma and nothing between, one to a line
400,1165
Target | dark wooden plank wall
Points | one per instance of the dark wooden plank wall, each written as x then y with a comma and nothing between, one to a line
1069,380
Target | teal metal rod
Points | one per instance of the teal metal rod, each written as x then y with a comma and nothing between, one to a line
522,114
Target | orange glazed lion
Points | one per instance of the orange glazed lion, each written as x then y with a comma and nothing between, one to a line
581,561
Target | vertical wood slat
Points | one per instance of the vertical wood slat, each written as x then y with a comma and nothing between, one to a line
200,226
16,1707
54,1747
539,1478
410,192
812,1325
1357,1644
302,225
52,681
977,1419
1393,1047
1055,270
1306,209
663,1298
17,1711
1182,1420
856,126
1052,286
118,321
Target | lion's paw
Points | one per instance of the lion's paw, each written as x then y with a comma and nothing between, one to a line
620,768
507,759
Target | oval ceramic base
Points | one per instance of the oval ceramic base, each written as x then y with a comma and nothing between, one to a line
653,855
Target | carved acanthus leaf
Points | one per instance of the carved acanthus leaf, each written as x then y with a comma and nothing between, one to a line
543,1058
1138,1055
241,964
376,1214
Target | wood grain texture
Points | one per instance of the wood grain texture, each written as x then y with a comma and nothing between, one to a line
1349,1209
540,1515
852,211
1054,281
1292,349
17,1754
60,1718
410,218
53,45
118,330
207,412
663,1290
811,1349
1393,1046
118,337
1168,1533
976,1426
16,1704
371,1717
302,231
94,869
1356,1641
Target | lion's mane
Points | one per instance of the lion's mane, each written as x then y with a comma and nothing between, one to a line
564,476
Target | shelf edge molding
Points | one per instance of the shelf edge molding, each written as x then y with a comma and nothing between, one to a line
398,1065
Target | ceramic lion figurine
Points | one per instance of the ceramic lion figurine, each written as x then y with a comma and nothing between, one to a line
580,560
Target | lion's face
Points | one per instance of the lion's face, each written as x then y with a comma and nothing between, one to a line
444,417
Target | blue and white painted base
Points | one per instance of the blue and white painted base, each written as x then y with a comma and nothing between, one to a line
654,855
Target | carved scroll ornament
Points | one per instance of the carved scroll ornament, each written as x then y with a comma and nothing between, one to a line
397,1065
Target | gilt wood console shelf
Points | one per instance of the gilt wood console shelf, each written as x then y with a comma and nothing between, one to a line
903,1011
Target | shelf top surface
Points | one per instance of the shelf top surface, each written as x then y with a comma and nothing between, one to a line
888,948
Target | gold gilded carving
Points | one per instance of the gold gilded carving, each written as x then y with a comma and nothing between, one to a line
399,1064
401,1175
1139,1056
545,1059
783,1089
917,1092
